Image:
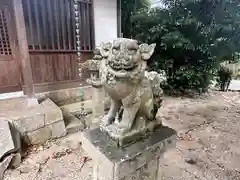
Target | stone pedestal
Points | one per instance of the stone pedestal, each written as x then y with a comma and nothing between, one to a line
139,161
97,105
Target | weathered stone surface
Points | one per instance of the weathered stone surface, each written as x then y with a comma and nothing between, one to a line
66,96
135,94
25,140
149,170
4,165
6,140
42,126
16,138
76,106
39,136
138,133
16,160
53,114
134,176
25,120
98,103
72,123
75,126
58,129
31,123
100,173
122,162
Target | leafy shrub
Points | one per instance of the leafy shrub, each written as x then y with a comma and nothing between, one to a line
192,38
224,77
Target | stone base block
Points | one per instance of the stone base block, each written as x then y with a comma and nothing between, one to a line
58,129
138,161
31,119
72,123
40,136
142,131
36,124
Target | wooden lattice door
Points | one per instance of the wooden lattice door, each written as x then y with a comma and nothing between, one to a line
10,75
5,49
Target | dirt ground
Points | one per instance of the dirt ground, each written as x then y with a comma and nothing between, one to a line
208,146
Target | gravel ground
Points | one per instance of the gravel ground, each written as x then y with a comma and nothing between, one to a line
208,146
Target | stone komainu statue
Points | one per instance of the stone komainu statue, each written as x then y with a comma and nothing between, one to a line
135,94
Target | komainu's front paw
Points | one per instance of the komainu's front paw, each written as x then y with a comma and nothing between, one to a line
124,127
107,120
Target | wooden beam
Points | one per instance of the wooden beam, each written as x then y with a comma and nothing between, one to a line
23,48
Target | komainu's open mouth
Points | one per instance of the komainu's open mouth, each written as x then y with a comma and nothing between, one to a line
121,67
130,68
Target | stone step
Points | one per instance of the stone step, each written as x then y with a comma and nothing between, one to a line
66,96
76,107
73,120
36,124
75,126
72,123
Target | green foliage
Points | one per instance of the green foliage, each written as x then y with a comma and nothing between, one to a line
192,37
224,77
128,9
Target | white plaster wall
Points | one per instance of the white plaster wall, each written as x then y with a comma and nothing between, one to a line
105,19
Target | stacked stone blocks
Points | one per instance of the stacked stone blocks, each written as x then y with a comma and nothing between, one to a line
40,123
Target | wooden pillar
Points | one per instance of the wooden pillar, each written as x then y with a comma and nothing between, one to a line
24,51
119,19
